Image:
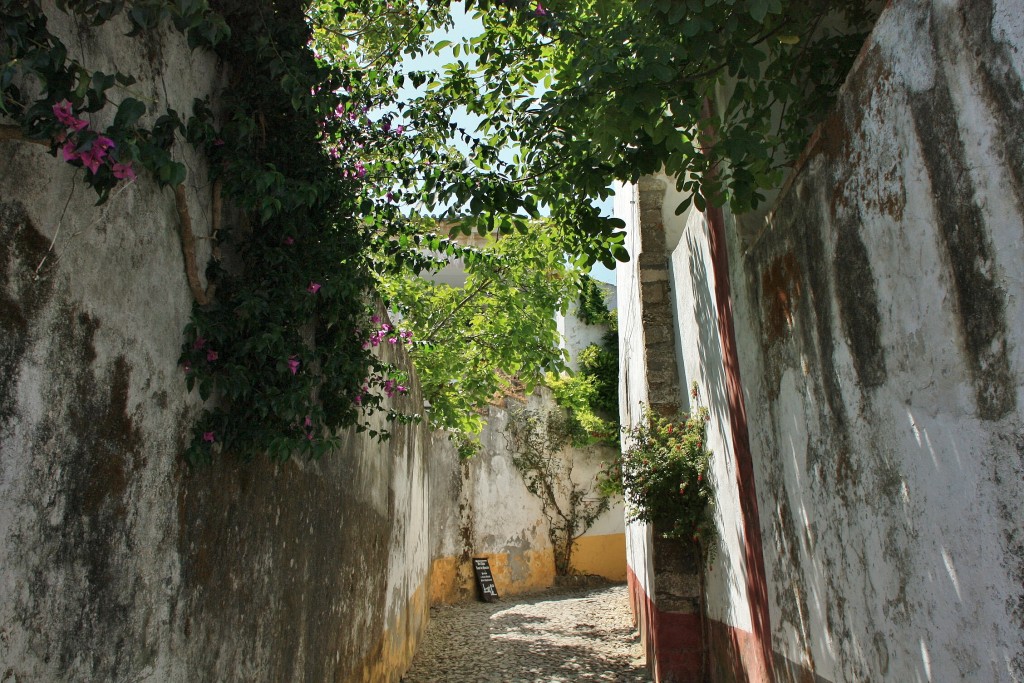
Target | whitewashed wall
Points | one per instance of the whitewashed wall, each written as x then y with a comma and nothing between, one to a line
481,507
879,312
117,561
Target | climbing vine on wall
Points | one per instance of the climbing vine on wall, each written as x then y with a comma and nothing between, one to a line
282,350
538,441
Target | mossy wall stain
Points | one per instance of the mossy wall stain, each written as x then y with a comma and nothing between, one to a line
25,287
886,406
858,303
967,246
83,571
315,557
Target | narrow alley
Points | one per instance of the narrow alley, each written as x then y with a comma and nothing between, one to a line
559,635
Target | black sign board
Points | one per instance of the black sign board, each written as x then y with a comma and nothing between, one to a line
484,580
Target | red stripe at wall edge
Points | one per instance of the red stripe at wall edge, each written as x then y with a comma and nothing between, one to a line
672,640
672,644
757,587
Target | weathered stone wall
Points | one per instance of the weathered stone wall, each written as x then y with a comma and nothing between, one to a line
882,359
878,317
117,562
481,508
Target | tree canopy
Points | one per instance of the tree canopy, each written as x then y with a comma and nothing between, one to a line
345,162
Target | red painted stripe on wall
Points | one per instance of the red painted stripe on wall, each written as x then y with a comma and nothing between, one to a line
672,640
757,586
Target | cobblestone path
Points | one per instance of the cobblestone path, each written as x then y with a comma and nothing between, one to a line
560,635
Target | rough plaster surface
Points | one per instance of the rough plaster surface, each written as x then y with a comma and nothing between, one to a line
481,507
116,561
879,318
878,314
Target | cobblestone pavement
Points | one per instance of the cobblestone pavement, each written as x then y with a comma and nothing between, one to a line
559,635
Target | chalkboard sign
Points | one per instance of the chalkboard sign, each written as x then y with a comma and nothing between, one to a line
484,580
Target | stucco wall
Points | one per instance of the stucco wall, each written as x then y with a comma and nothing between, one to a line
884,312
878,316
481,508
116,561
578,335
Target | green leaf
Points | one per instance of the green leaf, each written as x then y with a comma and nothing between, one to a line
758,9
129,112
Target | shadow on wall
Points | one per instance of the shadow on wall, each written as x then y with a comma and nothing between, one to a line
892,459
712,379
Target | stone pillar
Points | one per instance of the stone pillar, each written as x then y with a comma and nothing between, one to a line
676,641
655,305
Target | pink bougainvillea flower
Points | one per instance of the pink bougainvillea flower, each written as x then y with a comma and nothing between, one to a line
209,437
62,110
386,126
289,240
375,319
199,343
314,287
308,422
386,328
405,334
401,388
540,11
358,400
123,171
400,130
91,159
68,151
212,355
293,365
103,144
309,436
390,196
360,170
392,340
217,142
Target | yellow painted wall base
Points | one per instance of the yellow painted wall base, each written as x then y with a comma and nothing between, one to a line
452,581
603,556
392,655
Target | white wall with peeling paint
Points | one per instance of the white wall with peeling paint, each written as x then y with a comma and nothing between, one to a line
117,561
879,311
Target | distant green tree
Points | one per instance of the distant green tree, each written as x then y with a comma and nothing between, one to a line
495,334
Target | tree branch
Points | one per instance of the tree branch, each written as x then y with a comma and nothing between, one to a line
188,248
441,323
15,133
